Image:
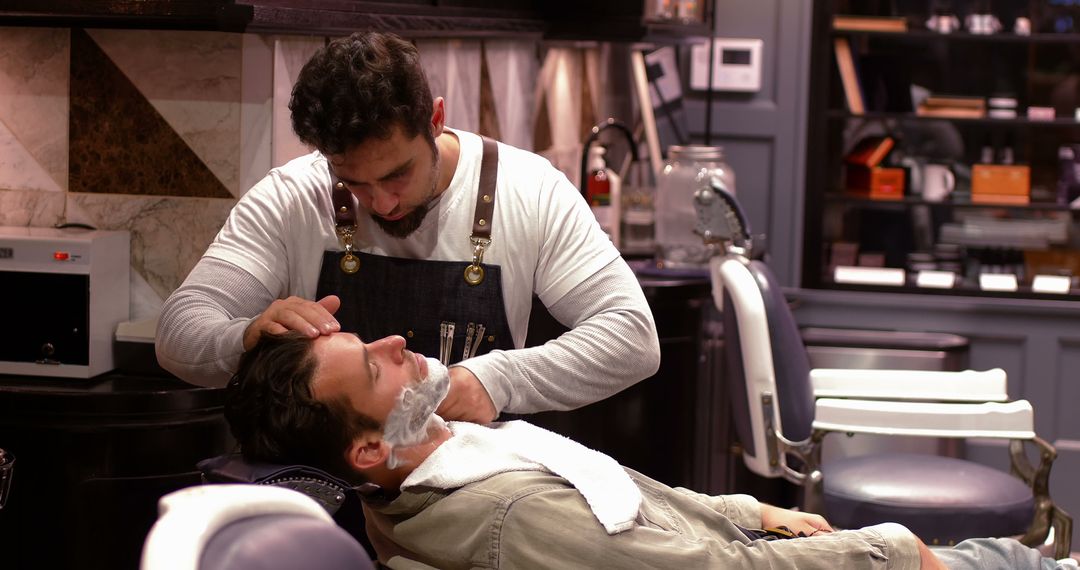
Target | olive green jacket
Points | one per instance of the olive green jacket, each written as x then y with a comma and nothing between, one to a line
532,519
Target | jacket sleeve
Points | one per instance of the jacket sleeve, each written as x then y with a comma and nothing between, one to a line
553,529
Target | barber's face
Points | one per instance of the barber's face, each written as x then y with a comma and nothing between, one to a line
369,375
394,179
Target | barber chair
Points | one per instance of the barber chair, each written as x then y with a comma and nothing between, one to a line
783,410
339,498
248,527
7,470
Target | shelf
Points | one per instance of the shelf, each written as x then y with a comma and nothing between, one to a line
962,289
1019,122
551,20
909,201
1003,38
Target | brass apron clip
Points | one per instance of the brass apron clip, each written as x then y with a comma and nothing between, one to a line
474,273
349,263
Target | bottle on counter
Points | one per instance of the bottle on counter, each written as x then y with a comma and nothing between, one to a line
603,193
638,214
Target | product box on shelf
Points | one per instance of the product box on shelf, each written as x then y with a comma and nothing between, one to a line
1008,184
864,175
879,183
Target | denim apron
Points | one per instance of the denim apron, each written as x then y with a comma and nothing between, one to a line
451,310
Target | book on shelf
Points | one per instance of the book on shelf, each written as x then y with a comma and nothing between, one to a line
849,77
963,101
952,106
869,23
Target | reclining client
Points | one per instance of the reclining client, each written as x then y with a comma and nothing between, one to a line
512,495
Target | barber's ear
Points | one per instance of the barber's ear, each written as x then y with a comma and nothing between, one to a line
368,450
438,116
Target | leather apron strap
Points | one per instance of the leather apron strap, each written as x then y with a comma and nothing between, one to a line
485,210
345,215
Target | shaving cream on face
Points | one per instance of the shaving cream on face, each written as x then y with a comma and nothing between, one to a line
413,417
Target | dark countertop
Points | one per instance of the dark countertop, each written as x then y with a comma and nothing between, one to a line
108,394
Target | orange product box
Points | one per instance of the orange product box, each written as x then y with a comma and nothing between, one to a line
1001,184
879,182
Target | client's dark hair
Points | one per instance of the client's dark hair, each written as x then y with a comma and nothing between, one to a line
275,417
358,88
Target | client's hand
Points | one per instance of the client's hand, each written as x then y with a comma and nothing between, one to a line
796,521
467,400
927,559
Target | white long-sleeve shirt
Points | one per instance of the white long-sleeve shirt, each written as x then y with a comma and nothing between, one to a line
544,239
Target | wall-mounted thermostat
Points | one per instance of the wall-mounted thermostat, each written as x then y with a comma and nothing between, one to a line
736,65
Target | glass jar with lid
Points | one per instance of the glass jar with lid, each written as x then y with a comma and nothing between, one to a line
688,168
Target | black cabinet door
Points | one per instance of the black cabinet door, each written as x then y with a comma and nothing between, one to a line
45,318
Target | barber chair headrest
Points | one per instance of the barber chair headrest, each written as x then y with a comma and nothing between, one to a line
329,491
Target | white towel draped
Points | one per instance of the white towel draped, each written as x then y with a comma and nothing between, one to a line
476,452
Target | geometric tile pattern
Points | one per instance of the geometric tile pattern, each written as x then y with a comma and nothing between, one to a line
194,79
33,109
489,117
119,143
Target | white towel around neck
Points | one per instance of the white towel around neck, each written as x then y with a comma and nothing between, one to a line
476,452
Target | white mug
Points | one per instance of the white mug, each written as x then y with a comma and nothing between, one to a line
943,23
938,181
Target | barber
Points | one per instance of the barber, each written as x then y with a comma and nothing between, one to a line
398,224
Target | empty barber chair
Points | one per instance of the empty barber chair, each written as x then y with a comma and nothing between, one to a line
783,410
248,527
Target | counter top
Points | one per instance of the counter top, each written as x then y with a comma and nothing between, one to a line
114,393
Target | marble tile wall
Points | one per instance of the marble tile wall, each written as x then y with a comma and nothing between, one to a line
131,130
159,132
290,53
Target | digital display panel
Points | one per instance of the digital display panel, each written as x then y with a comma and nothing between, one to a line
736,57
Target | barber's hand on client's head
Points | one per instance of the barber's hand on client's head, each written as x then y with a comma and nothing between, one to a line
468,400
313,318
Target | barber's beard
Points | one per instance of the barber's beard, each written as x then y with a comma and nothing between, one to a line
413,417
405,226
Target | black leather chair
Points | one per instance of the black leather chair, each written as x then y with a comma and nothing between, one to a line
7,471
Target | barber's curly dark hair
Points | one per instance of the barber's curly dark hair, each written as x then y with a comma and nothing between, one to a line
274,416
360,87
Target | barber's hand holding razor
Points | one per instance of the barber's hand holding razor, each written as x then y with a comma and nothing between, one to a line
468,400
807,524
312,318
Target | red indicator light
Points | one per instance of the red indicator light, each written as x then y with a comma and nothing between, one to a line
61,256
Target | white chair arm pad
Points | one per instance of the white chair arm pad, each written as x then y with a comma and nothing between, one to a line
965,386
189,517
1013,420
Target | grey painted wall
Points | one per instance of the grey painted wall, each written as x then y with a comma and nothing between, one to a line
764,134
